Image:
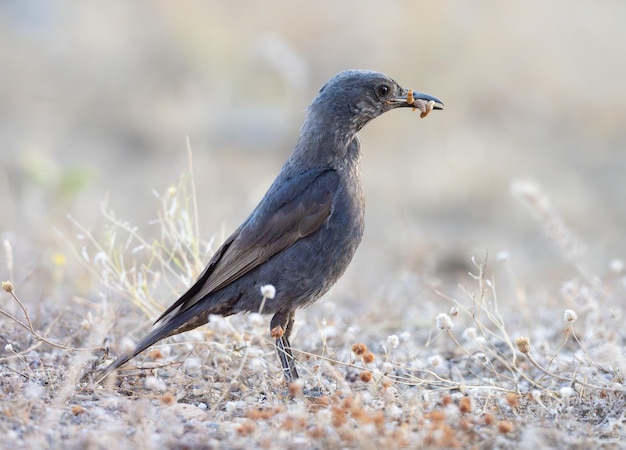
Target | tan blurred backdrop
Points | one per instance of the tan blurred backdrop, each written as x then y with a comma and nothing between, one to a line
99,97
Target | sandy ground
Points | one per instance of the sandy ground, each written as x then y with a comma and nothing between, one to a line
524,169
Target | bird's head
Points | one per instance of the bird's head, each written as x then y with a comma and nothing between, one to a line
354,97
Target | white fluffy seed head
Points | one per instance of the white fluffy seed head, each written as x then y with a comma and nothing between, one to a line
444,322
268,291
393,341
470,333
570,315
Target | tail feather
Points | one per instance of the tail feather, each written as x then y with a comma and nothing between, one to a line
187,320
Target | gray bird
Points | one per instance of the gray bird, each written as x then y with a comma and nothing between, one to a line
302,235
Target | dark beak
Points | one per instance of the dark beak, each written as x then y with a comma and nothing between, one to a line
411,98
416,100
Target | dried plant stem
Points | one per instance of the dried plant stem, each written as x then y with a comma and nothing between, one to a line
572,380
29,326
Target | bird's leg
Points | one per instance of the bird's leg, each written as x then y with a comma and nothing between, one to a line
287,345
281,326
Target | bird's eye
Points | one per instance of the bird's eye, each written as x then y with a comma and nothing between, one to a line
382,90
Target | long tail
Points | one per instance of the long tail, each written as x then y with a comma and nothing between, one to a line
187,320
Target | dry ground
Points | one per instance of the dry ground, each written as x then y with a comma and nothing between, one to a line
484,308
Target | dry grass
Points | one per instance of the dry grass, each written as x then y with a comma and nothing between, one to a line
476,381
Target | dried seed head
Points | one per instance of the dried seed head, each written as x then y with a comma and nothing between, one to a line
365,377
465,405
368,357
7,286
523,344
512,399
504,426
295,388
78,410
359,348
167,399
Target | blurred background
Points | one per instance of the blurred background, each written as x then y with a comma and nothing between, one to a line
97,99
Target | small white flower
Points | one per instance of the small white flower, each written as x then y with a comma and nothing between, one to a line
454,311
268,291
444,322
393,341
570,315
8,348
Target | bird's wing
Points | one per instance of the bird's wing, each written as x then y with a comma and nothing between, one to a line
291,210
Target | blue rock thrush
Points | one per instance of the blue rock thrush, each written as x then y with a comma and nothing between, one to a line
303,234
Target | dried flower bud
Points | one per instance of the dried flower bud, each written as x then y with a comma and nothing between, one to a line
505,426
368,357
365,377
7,286
523,344
465,405
359,348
